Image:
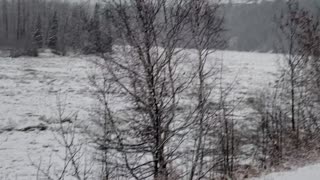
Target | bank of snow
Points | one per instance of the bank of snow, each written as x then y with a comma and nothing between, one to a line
311,172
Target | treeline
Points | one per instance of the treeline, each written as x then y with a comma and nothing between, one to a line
85,27
61,26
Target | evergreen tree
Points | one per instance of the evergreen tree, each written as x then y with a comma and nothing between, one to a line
18,30
5,18
37,36
107,38
98,41
94,33
96,29
53,33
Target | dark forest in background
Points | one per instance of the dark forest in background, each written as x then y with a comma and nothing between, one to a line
61,26
85,28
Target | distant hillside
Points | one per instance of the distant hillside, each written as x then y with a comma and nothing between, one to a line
252,27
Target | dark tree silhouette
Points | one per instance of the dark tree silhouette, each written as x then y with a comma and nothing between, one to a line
37,36
53,33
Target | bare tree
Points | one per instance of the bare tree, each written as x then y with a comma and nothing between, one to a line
206,26
288,112
148,75
309,43
289,28
75,158
103,132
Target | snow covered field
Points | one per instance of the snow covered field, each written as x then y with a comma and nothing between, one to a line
29,88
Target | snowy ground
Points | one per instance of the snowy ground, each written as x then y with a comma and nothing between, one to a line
305,173
29,88
28,93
